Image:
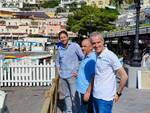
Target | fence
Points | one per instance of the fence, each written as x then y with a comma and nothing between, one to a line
26,73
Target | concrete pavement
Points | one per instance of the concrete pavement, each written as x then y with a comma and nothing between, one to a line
30,100
133,101
24,99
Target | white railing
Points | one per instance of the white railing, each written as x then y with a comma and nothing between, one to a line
26,73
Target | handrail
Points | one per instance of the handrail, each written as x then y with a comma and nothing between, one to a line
50,103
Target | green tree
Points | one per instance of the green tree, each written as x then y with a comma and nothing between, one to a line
50,4
118,3
129,1
71,7
87,16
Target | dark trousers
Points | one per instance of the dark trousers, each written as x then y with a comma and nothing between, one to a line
85,107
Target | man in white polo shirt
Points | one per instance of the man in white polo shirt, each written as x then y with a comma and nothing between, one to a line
104,83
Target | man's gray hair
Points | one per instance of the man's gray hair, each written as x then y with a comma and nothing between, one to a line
98,34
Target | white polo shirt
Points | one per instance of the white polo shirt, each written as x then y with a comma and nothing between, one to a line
105,78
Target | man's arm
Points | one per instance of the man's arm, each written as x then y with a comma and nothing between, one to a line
123,78
79,52
57,64
88,91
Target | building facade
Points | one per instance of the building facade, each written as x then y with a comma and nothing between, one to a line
17,3
64,2
98,3
22,25
145,3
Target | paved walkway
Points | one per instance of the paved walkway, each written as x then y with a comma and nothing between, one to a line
133,101
30,100
25,99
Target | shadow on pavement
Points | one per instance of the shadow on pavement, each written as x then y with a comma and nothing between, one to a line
61,105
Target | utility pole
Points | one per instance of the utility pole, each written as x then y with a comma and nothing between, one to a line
136,60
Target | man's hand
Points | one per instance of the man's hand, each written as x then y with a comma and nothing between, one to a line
86,96
74,74
116,98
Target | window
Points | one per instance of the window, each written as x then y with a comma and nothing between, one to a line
30,31
93,3
4,5
100,2
17,4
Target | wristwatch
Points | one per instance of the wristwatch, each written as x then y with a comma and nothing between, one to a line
119,94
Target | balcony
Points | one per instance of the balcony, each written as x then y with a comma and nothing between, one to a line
12,27
33,26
